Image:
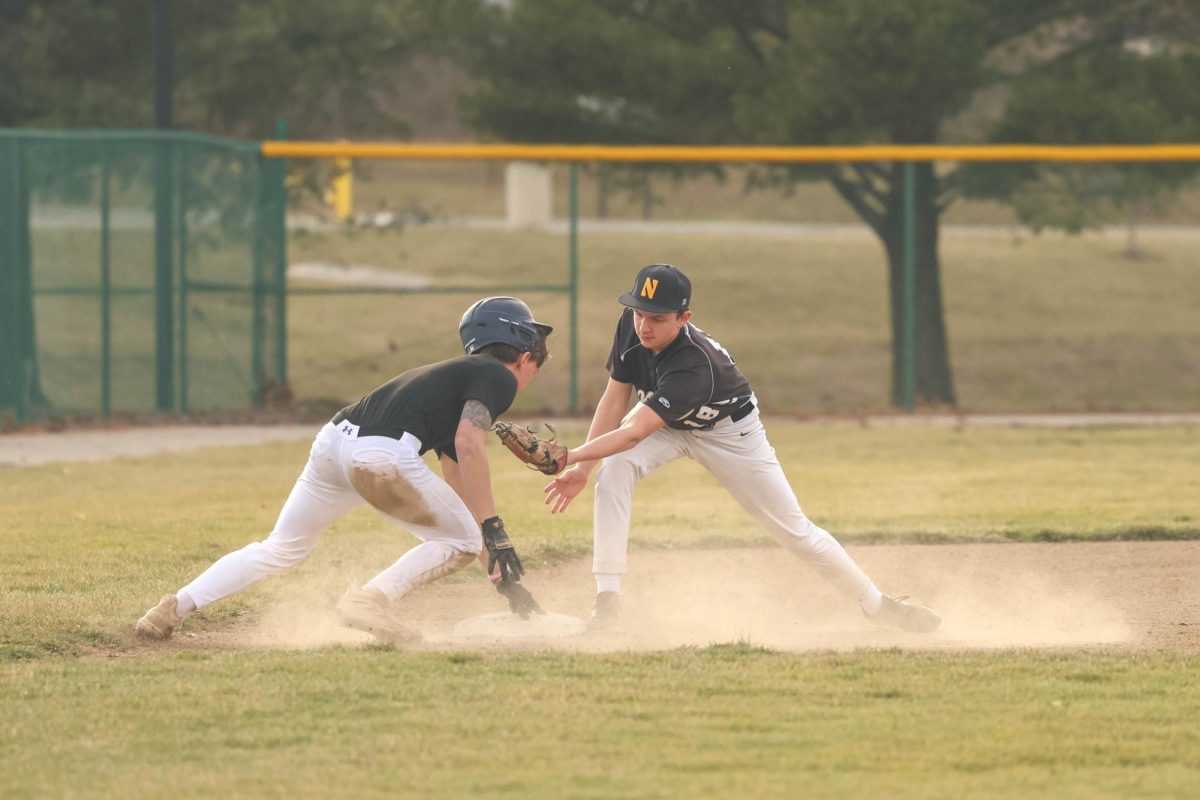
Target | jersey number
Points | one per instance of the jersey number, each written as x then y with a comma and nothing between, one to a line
701,417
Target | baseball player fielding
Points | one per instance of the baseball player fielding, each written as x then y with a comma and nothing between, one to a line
692,401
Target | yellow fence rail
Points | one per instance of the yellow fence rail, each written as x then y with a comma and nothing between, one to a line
418,151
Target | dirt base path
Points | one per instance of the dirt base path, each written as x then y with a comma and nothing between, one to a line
31,448
45,447
1132,596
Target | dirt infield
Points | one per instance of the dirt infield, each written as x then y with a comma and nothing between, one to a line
1125,596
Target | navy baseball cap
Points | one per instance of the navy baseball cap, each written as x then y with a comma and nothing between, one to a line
659,288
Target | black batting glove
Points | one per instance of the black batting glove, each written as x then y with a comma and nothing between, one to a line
500,551
519,599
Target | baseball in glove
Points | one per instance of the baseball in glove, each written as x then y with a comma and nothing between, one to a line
545,455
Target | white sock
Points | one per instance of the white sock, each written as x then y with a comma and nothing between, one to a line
871,601
183,603
607,582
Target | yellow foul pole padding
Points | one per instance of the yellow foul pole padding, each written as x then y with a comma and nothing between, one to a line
341,189
421,151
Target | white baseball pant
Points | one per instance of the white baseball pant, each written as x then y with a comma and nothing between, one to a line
739,456
343,471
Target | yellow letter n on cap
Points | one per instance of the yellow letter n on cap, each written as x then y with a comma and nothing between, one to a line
650,287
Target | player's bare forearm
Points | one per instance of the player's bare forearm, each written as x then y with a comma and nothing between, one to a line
637,425
609,413
470,442
611,443
453,477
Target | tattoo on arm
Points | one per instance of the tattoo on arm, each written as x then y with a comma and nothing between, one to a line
477,414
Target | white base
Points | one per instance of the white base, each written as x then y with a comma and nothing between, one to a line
507,625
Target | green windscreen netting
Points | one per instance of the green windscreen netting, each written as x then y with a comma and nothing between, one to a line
138,272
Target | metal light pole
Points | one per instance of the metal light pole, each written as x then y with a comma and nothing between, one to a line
163,50
163,47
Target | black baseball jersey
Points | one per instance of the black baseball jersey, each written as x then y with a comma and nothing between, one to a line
692,385
428,401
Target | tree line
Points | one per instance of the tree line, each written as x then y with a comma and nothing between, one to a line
780,72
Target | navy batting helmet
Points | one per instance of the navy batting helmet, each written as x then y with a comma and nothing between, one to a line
500,319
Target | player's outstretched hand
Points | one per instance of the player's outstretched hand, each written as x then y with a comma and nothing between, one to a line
503,563
563,489
519,599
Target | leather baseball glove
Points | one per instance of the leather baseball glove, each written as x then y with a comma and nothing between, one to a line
545,455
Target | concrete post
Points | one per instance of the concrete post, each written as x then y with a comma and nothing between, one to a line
528,196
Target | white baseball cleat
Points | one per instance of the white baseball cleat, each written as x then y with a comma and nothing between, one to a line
160,621
910,617
369,610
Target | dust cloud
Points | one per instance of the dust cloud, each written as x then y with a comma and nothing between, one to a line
1131,595
772,599
300,614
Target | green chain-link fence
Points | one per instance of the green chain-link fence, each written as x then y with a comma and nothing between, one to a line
139,271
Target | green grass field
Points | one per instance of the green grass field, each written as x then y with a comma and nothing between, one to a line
477,189
723,721
89,712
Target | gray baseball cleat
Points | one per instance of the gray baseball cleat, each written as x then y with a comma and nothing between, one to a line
369,610
897,613
160,622
606,613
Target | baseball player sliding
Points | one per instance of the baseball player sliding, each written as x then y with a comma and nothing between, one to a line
692,401
370,452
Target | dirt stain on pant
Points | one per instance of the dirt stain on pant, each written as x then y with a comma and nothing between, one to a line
382,485
452,564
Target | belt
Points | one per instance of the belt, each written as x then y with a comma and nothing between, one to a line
367,430
742,412
739,414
